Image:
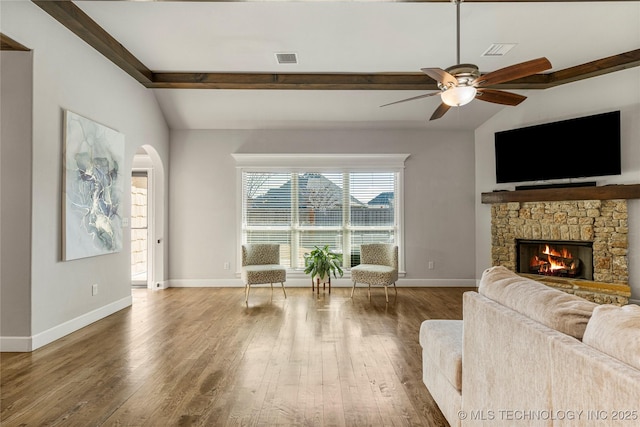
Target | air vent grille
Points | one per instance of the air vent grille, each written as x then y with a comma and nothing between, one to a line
287,58
499,49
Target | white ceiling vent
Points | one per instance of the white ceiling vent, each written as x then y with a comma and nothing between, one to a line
287,58
499,49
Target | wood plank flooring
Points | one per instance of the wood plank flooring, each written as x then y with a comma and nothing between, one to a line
201,357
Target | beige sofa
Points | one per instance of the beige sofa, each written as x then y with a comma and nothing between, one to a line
529,355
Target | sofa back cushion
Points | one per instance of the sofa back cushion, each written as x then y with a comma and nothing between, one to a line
616,331
553,308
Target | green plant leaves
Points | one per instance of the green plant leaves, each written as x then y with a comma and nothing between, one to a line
322,262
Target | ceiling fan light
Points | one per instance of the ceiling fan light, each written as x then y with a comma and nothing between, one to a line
458,95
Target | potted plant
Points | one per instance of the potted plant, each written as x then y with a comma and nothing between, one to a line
321,263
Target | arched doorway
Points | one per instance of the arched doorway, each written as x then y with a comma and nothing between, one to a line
147,219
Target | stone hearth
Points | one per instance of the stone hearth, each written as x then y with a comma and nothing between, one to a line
602,222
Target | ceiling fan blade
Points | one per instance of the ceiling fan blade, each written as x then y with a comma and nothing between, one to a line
513,72
412,99
440,76
442,108
499,97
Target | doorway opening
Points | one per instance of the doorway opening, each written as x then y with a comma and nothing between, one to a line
147,225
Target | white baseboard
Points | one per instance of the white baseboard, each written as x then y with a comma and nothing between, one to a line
27,344
161,285
300,282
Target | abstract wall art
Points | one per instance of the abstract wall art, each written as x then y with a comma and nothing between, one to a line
93,188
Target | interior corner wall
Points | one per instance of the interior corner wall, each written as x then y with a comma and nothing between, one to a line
615,91
70,75
15,193
438,197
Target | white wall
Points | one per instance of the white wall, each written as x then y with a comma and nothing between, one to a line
439,198
616,91
69,74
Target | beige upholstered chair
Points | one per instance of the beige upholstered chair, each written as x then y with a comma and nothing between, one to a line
379,266
261,265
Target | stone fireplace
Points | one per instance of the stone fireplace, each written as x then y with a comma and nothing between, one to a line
594,232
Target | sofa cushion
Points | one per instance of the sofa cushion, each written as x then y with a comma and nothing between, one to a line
558,310
374,274
616,331
441,341
260,274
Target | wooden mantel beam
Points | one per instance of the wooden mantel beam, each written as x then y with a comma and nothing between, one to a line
605,192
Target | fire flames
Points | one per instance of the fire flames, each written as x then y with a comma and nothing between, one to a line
555,262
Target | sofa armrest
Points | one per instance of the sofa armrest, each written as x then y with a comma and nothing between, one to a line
603,390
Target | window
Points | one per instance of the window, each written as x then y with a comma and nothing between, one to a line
139,227
302,208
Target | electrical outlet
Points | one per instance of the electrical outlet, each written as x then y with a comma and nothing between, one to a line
94,289
227,265
430,265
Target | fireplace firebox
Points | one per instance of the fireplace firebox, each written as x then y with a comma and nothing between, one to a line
555,258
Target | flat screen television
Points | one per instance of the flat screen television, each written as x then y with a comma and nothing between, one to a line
575,148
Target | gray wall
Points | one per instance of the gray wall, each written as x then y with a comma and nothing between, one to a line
616,91
15,192
68,74
438,182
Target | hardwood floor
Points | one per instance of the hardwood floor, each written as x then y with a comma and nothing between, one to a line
200,356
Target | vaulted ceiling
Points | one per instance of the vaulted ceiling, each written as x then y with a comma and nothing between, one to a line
212,64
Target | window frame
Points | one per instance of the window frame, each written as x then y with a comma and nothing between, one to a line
322,163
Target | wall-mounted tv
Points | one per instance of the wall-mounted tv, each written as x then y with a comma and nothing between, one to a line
582,147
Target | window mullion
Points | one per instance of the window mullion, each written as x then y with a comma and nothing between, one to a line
346,220
295,220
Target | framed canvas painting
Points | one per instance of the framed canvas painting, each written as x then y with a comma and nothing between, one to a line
93,188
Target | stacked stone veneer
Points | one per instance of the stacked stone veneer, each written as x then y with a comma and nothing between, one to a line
602,222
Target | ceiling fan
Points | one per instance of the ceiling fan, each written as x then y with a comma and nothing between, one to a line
461,83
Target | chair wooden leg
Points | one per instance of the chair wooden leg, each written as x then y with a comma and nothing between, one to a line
369,292
246,293
395,289
386,293
285,292
353,289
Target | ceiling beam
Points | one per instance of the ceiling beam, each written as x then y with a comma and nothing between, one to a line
322,81
72,17
595,68
381,81
7,43
301,81
598,67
